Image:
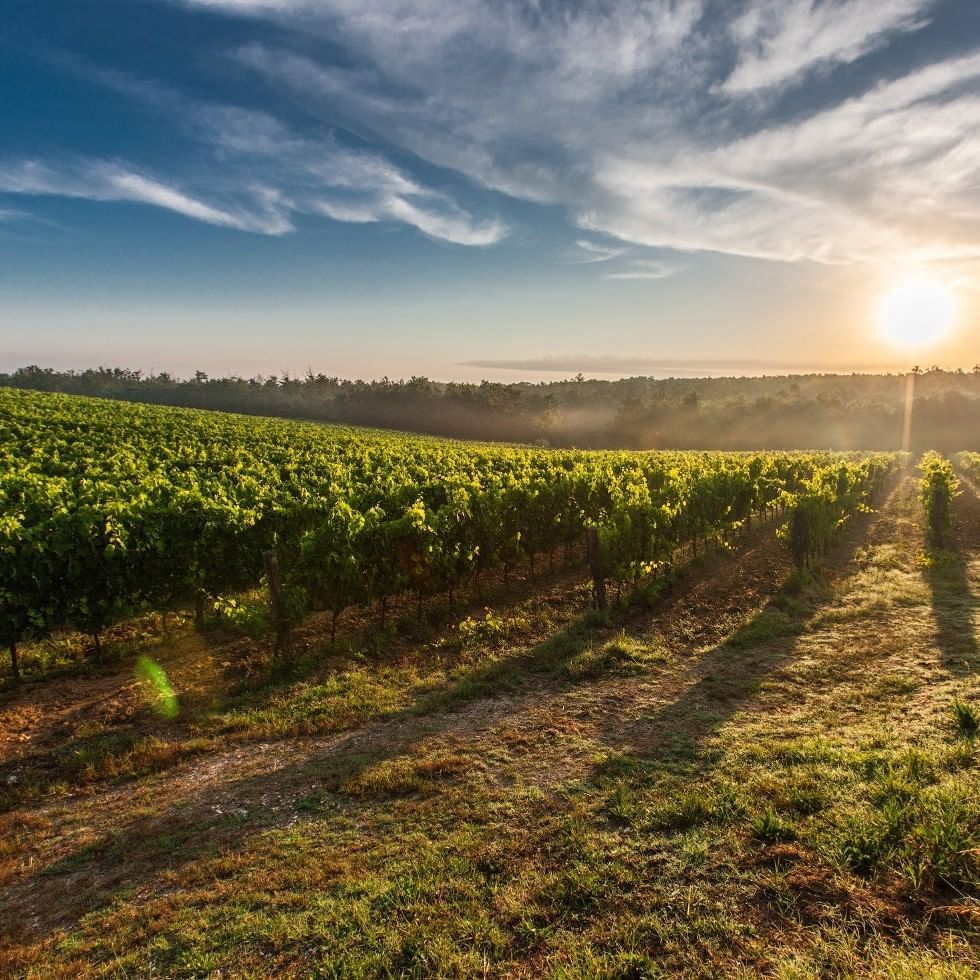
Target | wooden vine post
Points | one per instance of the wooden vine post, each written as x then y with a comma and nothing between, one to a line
280,621
598,576
199,607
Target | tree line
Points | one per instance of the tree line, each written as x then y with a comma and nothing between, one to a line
825,411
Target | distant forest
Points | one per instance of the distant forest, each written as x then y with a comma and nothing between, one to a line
833,411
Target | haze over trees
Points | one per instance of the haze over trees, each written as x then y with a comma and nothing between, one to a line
827,411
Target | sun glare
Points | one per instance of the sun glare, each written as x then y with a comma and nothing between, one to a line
917,313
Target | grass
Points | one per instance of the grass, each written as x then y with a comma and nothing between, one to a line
769,826
562,796
319,695
771,623
69,654
402,776
966,718
624,655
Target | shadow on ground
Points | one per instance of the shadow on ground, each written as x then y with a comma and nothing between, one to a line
727,679
733,672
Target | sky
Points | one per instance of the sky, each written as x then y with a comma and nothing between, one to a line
474,189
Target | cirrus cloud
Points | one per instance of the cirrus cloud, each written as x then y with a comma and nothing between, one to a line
663,123
774,129
269,174
779,40
103,180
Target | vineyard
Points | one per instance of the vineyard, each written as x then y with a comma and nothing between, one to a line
432,708
107,509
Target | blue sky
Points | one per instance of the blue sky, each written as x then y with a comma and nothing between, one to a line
467,188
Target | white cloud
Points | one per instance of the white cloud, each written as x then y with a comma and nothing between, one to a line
779,40
447,225
338,183
631,266
598,252
101,180
645,269
488,89
887,173
625,364
328,179
345,211
13,214
659,123
267,169
628,116
135,187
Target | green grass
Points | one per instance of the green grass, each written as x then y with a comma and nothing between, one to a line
771,623
770,826
966,718
624,654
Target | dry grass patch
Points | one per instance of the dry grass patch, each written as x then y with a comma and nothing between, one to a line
624,654
409,774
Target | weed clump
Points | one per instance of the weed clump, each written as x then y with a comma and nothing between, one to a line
624,655
770,827
966,718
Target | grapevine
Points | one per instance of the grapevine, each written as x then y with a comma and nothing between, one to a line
109,508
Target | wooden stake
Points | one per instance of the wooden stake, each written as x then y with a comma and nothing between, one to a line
281,624
598,578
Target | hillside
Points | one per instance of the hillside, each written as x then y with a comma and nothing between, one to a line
108,509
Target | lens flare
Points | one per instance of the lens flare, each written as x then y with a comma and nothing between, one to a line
157,688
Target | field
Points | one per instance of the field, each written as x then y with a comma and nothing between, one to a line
433,755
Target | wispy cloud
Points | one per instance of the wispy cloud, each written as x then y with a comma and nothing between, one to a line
780,40
326,178
268,172
598,252
640,364
622,262
438,218
15,214
125,186
102,180
890,172
451,227
645,269
636,116
678,125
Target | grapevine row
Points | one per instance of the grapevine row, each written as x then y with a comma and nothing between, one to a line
936,491
108,508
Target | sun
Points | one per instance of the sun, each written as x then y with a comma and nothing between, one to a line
917,313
